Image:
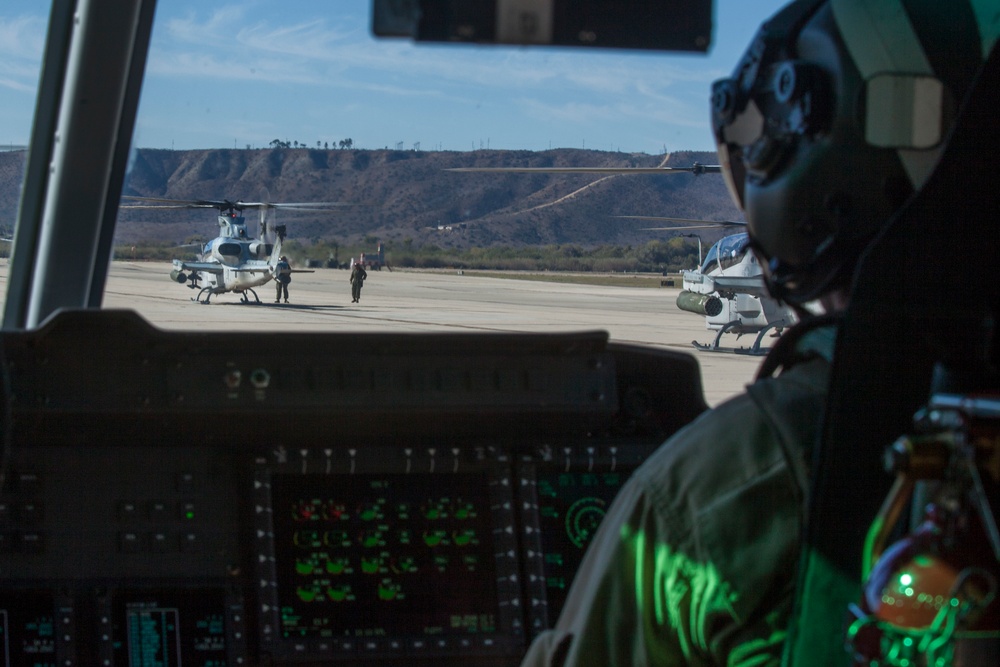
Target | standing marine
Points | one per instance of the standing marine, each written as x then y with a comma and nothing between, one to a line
358,276
282,276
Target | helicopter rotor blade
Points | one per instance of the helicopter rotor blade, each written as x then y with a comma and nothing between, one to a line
676,229
705,223
225,204
160,206
293,206
178,203
696,169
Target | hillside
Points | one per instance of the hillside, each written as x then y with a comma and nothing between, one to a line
399,195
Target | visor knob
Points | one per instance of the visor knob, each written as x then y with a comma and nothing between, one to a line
785,80
723,101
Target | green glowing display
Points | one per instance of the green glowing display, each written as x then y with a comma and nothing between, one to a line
418,546
571,506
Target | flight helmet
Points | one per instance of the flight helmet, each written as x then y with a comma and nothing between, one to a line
835,115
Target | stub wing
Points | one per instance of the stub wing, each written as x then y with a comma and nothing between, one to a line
251,269
752,285
201,267
699,283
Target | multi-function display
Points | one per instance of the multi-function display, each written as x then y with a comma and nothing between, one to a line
27,630
170,628
571,505
384,555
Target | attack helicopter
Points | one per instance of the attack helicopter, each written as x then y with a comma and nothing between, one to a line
234,261
728,288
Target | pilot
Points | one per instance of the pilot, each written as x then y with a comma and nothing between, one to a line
835,115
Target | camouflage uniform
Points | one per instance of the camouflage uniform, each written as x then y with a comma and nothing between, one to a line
358,276
283,276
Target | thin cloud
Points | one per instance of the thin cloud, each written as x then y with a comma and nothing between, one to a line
361,85
22,40
224,67
22,37
18,85
585,114
215,29
314,52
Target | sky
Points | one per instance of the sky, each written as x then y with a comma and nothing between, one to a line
237,74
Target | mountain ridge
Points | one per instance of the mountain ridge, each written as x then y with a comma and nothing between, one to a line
399,195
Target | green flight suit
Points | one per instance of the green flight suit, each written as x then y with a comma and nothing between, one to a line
694,563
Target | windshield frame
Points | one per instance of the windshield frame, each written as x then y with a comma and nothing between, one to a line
84,119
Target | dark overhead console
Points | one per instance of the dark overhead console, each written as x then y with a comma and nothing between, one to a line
679,25
290,498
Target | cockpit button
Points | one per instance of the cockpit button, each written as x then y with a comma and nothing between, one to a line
158,510
159,543
184,482
128,542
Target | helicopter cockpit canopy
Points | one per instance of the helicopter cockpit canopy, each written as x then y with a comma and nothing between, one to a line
728,252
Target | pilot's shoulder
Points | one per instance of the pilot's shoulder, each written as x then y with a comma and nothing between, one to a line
713,446
802,366
742,438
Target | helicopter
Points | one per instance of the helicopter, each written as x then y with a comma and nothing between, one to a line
728,288
234,261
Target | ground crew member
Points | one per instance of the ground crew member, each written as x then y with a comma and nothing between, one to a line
358,276
282,276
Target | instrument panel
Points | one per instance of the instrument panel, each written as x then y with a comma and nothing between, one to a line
406,551
437,517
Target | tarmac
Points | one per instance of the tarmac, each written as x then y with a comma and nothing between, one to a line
438,301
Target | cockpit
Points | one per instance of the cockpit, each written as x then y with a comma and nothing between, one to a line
225,491
215,496
727,252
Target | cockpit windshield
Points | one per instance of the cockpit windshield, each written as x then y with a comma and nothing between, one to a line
326,113
728,252
22,43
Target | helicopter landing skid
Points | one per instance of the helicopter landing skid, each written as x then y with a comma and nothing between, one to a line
754,350
246,299
207,292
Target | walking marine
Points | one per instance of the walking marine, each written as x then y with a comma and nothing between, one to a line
358,276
